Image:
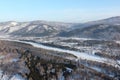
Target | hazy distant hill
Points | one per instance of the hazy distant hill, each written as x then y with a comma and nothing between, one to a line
101,29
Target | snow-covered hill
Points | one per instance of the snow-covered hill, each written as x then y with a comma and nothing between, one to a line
101,29
33,28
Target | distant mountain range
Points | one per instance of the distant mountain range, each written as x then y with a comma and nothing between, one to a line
101,29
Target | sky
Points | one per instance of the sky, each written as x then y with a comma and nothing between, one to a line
58,10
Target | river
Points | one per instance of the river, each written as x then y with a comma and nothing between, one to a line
79,55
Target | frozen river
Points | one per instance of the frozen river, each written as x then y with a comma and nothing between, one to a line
79,55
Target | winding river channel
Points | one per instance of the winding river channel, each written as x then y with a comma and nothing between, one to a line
80,55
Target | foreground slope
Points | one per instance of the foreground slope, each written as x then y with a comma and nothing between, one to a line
23,61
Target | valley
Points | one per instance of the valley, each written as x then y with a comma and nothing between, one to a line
102,66
41,50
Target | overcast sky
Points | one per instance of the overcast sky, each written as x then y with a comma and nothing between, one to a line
58,10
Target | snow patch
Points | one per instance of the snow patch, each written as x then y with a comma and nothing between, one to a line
31,27
17,77
14,23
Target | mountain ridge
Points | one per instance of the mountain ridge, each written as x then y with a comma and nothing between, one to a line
101,29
